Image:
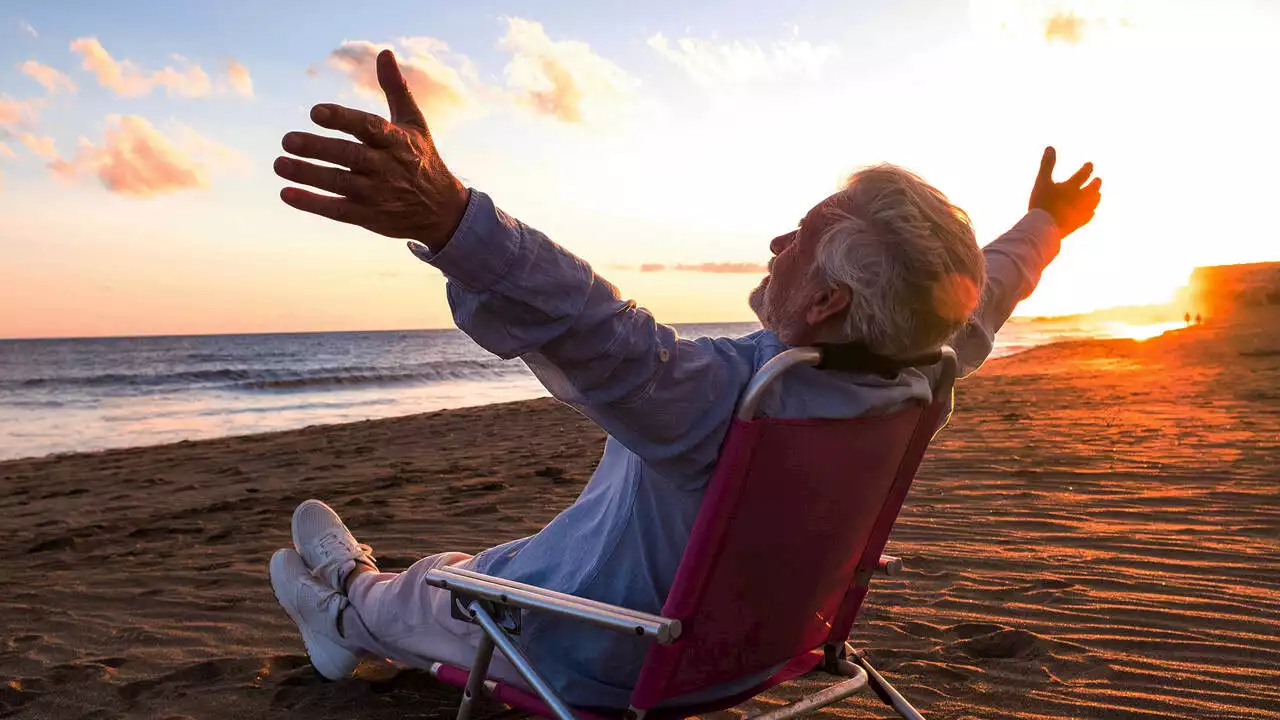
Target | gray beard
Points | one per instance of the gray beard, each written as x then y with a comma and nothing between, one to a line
755,300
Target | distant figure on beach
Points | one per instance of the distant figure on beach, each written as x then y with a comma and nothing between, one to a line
887,260
1197,318
1187,319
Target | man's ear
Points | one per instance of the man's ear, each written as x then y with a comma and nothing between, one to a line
830,302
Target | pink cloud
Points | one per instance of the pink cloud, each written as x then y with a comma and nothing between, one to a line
437,85
240,80
564,79
18,112
718,268
44,147
135,159
734,268
53,81
7,152
1066,27
126,79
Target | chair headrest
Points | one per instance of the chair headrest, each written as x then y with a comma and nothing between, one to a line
857,358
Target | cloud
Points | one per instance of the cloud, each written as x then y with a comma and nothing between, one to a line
716,268
563,79
136,159
26,28
44,147
432,72
7,152
711,62
240,80
734,268
1051,21
1066,27
18,112
53,81
126,79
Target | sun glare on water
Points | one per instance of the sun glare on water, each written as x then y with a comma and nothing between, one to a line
1139,332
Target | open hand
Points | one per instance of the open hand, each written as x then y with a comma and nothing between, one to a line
394,184
1071,203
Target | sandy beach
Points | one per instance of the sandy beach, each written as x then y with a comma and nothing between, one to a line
1096,535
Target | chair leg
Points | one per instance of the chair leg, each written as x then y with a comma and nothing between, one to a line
886,692
494,632
475,680
821,699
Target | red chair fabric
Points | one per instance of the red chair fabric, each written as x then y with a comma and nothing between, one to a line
783,534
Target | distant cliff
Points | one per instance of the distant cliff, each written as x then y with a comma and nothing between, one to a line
1223,290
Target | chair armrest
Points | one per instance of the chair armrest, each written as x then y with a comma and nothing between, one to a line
529,597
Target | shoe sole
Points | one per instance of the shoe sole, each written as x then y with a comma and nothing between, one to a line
319,648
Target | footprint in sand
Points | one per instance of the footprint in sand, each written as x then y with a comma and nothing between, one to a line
18,691
974,629
78,674
476,486
21,643
205,676
473,510
61,542
1009,643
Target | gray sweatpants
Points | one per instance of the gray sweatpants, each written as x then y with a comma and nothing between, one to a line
399,617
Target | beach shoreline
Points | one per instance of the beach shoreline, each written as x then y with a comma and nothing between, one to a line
1093,535
273,399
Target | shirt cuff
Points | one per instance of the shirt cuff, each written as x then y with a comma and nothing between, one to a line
1040,226
480,250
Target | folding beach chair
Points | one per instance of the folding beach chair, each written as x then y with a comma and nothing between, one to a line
790,531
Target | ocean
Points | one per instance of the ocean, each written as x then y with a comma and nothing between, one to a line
90,394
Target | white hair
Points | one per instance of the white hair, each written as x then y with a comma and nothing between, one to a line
908,256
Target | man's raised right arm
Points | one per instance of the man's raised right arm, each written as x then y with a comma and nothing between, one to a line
1016,259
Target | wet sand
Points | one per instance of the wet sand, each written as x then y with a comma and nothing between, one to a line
1096,535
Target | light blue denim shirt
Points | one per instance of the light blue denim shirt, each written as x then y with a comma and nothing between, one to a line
666,403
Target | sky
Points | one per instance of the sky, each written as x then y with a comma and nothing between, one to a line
665,142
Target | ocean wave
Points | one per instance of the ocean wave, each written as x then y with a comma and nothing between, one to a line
350,377
275,379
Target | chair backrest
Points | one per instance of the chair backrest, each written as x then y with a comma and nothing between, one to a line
793,523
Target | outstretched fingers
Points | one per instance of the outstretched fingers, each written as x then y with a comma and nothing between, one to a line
365,127
1047,161
346,153
330,179
1076,180
404,109
1093,194
334,208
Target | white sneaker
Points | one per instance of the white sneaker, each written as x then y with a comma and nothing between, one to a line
326,545
315,608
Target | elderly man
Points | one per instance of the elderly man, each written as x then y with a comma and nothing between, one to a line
887,261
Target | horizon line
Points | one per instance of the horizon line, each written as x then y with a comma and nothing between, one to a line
301,332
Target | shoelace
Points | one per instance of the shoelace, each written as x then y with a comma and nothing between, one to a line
326,597
332,542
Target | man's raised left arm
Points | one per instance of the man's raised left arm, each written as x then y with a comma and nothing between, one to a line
517,293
